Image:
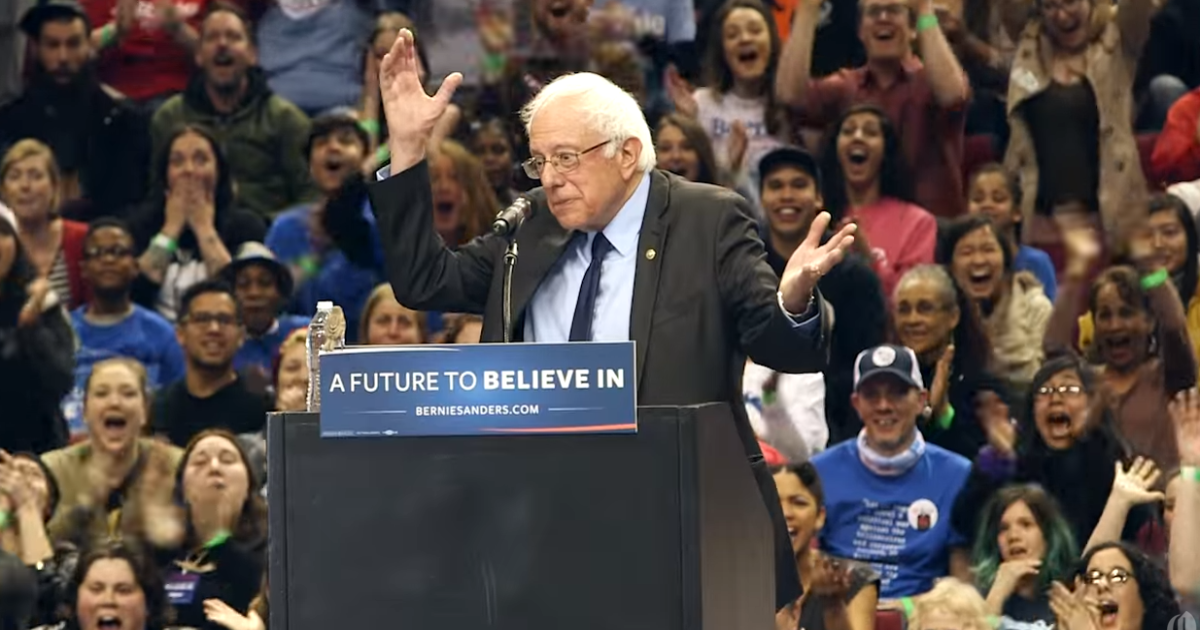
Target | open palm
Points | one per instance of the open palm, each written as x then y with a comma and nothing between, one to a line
411,113
811,260
1185,412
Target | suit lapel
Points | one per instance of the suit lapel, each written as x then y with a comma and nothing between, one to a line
540,242
652,238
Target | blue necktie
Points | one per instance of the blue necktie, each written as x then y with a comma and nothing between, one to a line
585,306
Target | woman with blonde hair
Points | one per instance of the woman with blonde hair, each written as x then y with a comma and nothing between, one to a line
30,185
388,322
464,201
950,605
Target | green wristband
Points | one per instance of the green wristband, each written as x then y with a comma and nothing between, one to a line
162,241
370,126
308,264
926,22
1189,473
382,154
946,418
217,540
493,63
907,604
108,35
1155,280
769,396
6,519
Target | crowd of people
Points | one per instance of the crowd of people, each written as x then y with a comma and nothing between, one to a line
1007,434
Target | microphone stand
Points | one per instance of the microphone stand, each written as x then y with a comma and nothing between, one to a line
510,261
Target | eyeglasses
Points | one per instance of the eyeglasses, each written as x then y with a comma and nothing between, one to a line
922,307
1116,576
1061,390
563,161
206,320
112,251
877,11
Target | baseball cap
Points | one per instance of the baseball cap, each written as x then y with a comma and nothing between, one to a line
38,14
898,361
789,156
255,253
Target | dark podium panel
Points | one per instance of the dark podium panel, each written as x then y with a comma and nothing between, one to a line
662,530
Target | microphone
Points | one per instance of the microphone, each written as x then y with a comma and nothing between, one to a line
510,218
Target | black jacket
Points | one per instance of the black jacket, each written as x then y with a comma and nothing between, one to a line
93,131
37,365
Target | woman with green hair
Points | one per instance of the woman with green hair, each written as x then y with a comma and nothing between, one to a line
1023,545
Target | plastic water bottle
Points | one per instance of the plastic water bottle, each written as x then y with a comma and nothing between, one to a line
314,344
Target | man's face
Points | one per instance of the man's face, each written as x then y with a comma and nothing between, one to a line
584,191
109,266
888,407
334,157
790,200
210,331
559,19
63,49
885,28
225,52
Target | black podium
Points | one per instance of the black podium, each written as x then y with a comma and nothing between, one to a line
662,530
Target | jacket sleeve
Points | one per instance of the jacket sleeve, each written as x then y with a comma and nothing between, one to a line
294,128
1176,156
425,274
49,349
351,228
749,290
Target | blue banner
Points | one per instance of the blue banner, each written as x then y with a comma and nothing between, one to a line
479,389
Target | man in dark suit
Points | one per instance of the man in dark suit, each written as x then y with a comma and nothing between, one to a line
612,250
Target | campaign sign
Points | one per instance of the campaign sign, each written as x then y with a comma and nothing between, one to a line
479,389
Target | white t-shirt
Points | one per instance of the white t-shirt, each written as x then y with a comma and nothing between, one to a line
717,113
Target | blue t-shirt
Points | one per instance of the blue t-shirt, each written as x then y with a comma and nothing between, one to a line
899,525
1038,263
337,279
143,335
261,351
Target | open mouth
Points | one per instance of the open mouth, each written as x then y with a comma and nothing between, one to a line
788,213
109,622
223,59
1016,551
885,423
857,156
1108,612
1059,424
1120,345
559,10
116,423
884,34
444,208
981,279
747,55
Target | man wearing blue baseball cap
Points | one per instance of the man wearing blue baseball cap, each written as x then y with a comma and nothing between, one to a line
894,494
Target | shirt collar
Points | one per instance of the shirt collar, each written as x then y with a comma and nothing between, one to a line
624,228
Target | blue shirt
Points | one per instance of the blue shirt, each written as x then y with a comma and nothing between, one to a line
143,335
899,525
1038,263
261,351
337,279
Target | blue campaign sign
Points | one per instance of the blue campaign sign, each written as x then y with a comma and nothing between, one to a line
478,389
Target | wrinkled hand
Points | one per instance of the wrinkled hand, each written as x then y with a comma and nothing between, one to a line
811,261
939,389
1074,610
411,113
789,617
739,142
680,92
1185,413
38,291
1132,486
997,422
221,613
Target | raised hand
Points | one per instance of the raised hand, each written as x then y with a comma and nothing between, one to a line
939,389
1073,610
1082,245
411,113
1185,413
811,261
997,422
681,93
223,614
38,291
1133,485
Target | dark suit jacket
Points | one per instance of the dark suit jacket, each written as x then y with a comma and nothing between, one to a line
703,298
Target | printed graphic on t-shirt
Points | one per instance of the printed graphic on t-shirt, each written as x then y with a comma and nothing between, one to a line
922,514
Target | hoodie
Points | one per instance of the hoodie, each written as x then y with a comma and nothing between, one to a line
263,138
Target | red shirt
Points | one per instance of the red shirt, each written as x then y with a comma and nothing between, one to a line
1176,156
931,136
147,62
900,235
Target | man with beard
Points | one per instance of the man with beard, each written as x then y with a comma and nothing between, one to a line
263,134
211,395
99,140
791,198
110,324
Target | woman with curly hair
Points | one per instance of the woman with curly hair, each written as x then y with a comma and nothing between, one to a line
116,585
1024,543
1120,588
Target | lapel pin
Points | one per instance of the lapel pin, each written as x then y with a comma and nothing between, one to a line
650,254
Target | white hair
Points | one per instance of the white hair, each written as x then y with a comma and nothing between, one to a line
604,107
